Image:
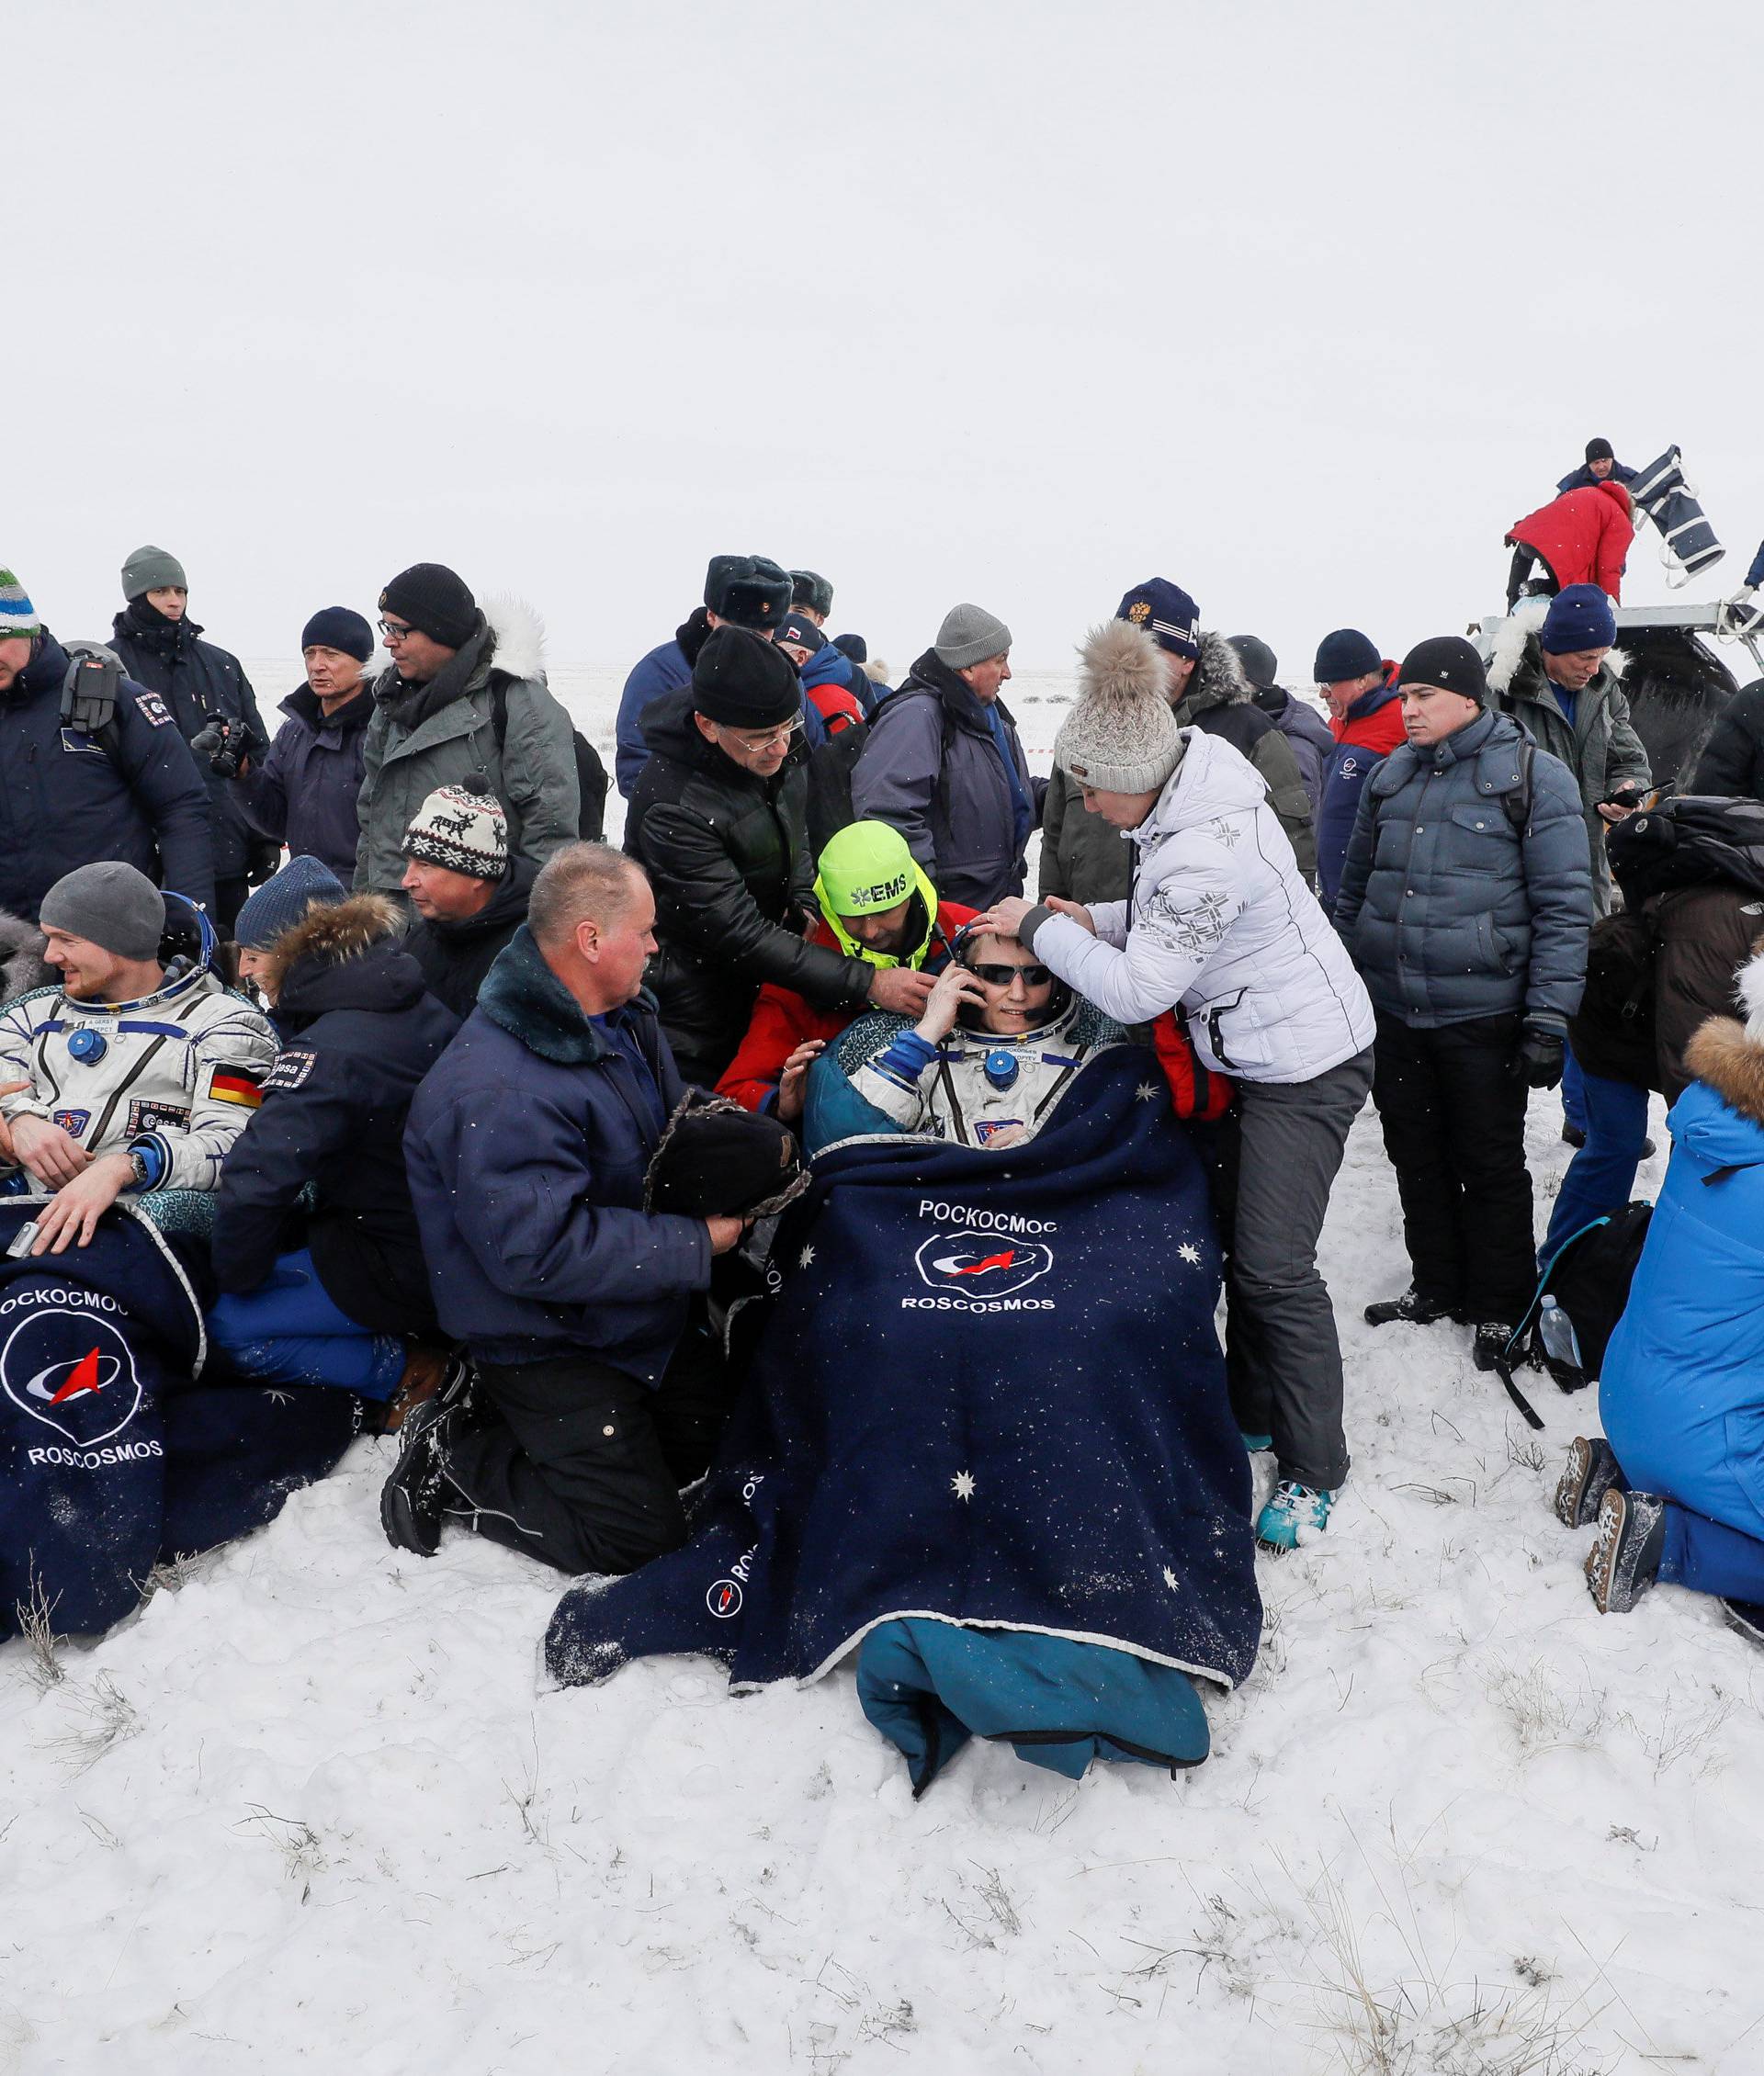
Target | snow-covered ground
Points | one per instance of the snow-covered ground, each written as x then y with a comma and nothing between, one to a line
313,1808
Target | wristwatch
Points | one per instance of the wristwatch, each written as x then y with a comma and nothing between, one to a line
143,1170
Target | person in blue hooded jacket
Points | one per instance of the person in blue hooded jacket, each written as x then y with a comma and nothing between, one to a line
1677,1484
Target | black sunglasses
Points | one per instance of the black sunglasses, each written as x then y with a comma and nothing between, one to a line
1002,976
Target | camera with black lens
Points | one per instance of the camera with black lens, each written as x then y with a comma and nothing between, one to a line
215,743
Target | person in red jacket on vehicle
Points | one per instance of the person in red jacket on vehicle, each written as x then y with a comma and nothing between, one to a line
875,905
1581,537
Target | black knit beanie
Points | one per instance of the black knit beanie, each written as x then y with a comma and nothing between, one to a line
1449,661
745,681
434,601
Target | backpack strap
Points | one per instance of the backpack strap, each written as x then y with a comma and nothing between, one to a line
89,698
1517,803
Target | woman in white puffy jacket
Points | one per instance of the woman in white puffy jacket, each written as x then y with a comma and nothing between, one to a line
1221,929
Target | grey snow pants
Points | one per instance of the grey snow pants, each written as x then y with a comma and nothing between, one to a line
1279,1156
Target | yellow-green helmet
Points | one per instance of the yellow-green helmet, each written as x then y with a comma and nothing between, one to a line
864,867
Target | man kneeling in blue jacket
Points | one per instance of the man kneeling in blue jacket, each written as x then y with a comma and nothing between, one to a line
527,1149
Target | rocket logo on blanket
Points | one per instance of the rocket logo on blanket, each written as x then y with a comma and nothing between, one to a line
73,1371
982,1265
724,1599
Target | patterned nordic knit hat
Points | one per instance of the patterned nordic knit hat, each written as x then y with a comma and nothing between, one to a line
465,832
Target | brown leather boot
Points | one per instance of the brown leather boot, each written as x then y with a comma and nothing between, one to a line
424,1368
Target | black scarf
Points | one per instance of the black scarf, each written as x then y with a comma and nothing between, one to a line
413,704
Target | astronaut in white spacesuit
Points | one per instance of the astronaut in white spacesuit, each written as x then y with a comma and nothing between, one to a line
133,1076
1000,1041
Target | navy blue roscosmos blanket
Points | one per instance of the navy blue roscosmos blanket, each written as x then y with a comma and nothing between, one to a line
109,1457
989,1391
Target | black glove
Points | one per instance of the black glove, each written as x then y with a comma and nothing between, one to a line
262,858
1541,1057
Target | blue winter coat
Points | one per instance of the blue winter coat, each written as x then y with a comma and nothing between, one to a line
198,681
1355,755
1313,745
304,792
668,669
63,802
1583,479
527,1149
1681,1394
1450,912
664,669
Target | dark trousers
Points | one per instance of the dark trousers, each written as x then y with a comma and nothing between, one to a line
1454,1113
1277,1154
1529,566
581,1465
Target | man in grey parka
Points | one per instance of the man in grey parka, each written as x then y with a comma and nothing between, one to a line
464,704
1556,683
1467,903
943,764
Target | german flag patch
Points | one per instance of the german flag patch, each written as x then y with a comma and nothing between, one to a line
233,1085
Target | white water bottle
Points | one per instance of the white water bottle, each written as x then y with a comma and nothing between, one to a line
1556,1331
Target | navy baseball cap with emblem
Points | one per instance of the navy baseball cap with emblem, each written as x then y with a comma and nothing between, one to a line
1165,610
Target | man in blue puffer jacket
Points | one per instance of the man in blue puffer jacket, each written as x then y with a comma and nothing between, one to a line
527,1149
1466,901
1679,1484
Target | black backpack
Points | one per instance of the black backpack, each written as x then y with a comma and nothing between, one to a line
591,773
1688,840
1579,1299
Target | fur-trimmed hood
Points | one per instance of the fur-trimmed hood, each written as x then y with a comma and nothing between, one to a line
348,956
1218,681
1722,1056
519,634
1516,658
22,965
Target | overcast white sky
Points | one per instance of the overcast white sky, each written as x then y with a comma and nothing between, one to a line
1015,300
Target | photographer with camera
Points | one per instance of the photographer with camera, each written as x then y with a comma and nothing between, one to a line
211,700
88,774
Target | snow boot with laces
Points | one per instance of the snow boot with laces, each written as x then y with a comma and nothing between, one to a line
1294,1512
412,1500
1590,1471
1624,1559
1411,1307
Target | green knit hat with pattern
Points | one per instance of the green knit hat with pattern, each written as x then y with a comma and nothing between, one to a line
19,620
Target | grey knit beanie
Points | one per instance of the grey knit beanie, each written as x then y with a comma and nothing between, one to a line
110,905
969,634
1121,736
151,569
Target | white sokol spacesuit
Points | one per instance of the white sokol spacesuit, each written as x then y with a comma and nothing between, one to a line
175,1076
979,1088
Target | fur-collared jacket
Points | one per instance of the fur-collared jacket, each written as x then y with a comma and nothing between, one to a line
1600,746
445,732
1681,1392
1083,859
177,1074
360,1030
528,1148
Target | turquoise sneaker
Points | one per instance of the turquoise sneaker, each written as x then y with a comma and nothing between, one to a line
1257,1445
1294,1511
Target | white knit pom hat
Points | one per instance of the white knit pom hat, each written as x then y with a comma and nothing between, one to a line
1121,736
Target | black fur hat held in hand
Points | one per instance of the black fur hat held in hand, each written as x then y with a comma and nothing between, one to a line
718,1160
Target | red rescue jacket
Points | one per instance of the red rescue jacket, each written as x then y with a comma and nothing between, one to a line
1584,536
782,1018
